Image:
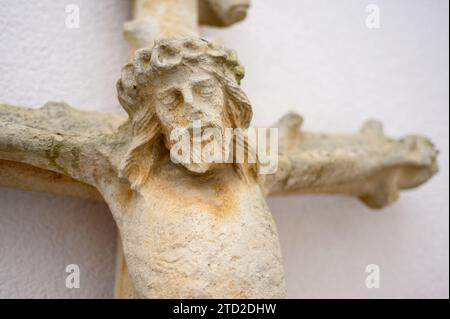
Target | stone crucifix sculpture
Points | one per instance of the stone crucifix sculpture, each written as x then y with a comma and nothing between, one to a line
196,229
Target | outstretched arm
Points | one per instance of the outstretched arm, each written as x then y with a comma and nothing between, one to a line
366,164
55,140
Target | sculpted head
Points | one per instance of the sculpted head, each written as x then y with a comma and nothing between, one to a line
177,82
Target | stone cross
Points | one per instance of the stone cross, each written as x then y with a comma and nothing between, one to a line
203,229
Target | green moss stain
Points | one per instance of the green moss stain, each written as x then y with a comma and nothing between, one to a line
76,158
53,153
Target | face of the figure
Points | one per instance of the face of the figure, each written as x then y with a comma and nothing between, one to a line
185,98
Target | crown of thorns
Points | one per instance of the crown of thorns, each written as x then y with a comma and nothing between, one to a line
170,53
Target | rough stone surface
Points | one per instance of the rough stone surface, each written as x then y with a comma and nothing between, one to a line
210,235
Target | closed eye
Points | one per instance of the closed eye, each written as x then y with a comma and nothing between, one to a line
206,90
171,99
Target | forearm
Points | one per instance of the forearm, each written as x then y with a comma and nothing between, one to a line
55,137
366,164
31,178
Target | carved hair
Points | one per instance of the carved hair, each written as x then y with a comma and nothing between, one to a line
136,95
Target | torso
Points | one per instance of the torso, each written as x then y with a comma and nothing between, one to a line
190,236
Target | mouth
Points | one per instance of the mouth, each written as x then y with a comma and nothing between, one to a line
201,138
206,133
203,125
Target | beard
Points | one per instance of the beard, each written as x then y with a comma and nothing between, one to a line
202,147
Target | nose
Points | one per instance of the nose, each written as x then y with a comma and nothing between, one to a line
196,113
191,109
188,98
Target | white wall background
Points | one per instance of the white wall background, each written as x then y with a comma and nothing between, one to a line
314,57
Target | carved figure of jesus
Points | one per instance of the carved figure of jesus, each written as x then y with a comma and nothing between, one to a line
199,229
